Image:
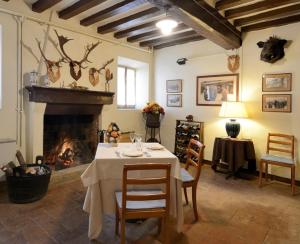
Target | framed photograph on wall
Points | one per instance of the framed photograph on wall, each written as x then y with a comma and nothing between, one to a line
174,86
174,100
214,89
277,82
277,103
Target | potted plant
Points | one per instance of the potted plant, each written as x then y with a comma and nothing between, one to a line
153,113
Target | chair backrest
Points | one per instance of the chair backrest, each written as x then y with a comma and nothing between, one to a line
281,143
195,157
165,180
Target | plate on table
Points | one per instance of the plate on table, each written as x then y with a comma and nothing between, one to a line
133,153
156,147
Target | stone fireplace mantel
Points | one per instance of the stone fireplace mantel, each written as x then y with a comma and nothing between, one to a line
68,96
43,102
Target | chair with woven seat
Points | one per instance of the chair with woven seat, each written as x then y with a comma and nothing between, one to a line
138,204
283,144
194,160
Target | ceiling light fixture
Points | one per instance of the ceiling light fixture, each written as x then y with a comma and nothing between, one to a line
166,26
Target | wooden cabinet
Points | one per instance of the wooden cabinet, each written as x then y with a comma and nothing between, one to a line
185,130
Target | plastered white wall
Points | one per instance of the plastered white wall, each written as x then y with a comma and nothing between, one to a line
32,117
213,60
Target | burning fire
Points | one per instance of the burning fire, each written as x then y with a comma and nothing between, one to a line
66,154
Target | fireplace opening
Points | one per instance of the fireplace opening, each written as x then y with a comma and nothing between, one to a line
69,140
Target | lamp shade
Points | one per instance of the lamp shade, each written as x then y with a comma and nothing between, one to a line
233,110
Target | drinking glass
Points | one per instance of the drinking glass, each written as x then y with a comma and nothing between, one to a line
132,137
139,144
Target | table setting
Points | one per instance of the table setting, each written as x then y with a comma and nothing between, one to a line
103,178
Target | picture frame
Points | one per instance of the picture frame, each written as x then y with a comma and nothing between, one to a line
174,100
277,82
277,103
174,86
212,90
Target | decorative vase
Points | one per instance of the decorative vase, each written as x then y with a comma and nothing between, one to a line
153,120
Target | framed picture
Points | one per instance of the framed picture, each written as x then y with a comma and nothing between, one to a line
174,86
174,100
277,103
214,89
277,82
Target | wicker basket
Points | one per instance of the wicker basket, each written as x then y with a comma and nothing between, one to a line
28,188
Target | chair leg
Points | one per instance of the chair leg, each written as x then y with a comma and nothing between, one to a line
260,173
194,196
266,171
122,230
117,220
185,195
166,230
293,179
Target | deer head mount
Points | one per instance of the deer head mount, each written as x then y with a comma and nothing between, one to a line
53,67
75,66
94,73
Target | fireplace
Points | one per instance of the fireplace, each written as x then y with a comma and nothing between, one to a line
63,124
69,140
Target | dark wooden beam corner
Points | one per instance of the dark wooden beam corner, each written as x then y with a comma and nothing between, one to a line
165,39
136,30
78,7
129,20
225,4
178,42
118,8
204,19
271,23
42,5
150,34
273,14
257,7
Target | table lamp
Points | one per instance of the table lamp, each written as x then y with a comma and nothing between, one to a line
233,110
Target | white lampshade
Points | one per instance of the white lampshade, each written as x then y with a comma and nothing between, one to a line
233,110
166,26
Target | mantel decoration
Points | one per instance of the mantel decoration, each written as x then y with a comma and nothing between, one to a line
113,133
153,113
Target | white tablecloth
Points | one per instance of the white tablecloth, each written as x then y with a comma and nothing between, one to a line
104,176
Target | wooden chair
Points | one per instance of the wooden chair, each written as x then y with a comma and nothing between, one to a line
283,144
137,204
194,160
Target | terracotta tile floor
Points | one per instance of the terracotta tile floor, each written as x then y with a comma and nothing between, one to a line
231,211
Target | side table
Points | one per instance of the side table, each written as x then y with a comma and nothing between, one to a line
234,152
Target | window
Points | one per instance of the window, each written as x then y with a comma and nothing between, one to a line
126,89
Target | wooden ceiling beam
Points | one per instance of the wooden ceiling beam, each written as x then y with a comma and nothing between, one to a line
42,5
169,38
178,42
136,30
225,4
150,34
118,8
204,19
273,14
78,7
129,20
257,7
271,23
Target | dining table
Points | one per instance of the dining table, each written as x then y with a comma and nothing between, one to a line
103,177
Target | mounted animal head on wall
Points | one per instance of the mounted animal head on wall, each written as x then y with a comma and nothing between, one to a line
272,49
181,61
53,67
75,66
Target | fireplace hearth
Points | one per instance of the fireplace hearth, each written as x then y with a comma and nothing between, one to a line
69,140
64,124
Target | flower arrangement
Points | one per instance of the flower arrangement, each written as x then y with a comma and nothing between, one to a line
154,108
113,133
